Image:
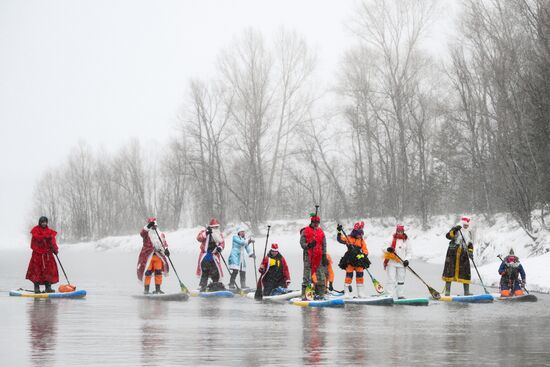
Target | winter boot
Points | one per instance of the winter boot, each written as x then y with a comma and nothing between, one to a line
347,291
361,291
146,289
157,289
447,288
48,288
36,288
467,290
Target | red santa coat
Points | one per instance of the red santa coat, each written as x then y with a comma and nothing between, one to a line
201,237
42,266
148,250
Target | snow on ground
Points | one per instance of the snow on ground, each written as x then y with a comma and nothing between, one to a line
492,239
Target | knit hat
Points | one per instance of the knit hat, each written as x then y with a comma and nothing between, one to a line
465,220
275,247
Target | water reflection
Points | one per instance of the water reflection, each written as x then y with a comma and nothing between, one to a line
313,336
42,314
153,331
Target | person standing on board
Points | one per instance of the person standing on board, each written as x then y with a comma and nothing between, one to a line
314,244
209,264
42,267
152,258
459,253
395,269
237,257
355,259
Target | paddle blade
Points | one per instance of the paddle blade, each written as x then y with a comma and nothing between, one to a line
184,289
377,286
435,294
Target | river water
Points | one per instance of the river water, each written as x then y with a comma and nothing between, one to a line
111,328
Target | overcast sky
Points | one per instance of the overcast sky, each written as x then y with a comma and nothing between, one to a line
106,71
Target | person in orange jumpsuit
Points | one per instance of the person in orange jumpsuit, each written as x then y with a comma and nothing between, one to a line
152,258
355,259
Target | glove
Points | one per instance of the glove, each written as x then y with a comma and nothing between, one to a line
523,283
55,251
167,252
324,260
252,256
208,231
287,283
311,244
330,287
471,255
339,228
251,240
219,249
261,269
150,225
406,263
457,228
390,250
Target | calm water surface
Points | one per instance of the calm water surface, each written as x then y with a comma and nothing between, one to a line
111,328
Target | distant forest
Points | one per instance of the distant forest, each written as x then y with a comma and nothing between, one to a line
401,132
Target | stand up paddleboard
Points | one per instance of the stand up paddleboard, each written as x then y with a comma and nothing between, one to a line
373,301
30,294
524,298
476,298
215,294
278,298
337,302
412,302
164,297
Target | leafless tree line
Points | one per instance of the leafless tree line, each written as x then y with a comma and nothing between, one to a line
405,134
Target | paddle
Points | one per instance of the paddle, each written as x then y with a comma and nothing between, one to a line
435,294
472,260
254,257
259,295
65,274
377,286
511,282
183,288
229,272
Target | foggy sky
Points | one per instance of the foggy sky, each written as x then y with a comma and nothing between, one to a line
106,71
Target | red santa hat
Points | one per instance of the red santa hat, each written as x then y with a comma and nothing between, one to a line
274,247
465,220
359,225
214,223
151,219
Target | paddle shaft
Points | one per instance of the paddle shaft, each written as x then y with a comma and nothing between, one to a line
259,291
254,252
183,287
432,290
465,245
229,270
57,257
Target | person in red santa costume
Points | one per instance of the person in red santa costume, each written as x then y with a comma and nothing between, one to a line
314,244
209,265
152,258
42,266
274,270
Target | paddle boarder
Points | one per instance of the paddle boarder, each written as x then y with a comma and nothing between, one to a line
42,269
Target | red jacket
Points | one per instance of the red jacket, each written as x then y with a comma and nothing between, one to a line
315,254
42,266
148,250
